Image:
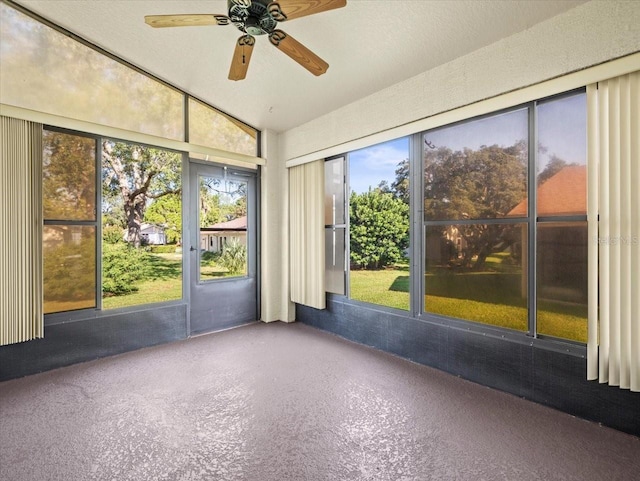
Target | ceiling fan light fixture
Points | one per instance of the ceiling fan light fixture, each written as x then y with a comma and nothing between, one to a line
254,18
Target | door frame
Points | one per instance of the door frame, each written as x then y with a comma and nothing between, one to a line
191,238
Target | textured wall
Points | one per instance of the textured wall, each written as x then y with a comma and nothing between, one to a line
582,37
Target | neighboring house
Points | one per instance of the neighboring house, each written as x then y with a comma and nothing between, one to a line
150,234
215,237
562,247
444,247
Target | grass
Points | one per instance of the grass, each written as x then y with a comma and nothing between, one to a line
164,283
490,297
388,287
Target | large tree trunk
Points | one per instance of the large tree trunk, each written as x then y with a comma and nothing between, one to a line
134,210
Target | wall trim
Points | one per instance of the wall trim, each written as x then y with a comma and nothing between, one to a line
208,153
564,83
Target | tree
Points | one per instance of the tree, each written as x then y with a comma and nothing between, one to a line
555,165
379,229
476,184
135,175
399,188
221,200
167,213
68,176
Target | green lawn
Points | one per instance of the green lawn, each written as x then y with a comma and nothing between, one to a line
164,283
490,297
388,287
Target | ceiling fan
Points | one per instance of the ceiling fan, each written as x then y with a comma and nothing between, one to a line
258,17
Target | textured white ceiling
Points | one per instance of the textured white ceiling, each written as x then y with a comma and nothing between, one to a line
369,45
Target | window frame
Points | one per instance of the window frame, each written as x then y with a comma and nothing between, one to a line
345,224
418,239
62,317
95,223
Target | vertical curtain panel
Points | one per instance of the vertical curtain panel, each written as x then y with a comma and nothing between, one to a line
21,317
613,149
306,224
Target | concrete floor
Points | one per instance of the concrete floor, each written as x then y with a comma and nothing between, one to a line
287,402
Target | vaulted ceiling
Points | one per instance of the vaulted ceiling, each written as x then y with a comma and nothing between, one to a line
369,45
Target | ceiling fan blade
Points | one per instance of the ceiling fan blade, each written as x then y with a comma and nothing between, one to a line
282,10
190,20
298,52
241,57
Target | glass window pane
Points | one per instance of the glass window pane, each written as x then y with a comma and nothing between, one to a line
46,71
68,177
379,224
477,169
334,192
141,225
478,272
223,228
69,270
562,156
211,128
562,280
334,245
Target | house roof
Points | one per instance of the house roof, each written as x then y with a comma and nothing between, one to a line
563,194
152,227
239,224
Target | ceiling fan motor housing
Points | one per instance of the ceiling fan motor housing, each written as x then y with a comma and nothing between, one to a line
252,17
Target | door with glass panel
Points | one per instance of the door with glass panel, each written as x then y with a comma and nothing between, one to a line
222,247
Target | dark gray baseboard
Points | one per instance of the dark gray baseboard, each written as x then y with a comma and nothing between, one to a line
87,339
531,370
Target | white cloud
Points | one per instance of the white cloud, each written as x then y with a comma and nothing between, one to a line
374,164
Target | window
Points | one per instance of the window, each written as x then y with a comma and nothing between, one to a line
212,128
475,174
335,225
112,209
140,218
561,200
70,223
223,220
504,233
141,224
47,71
379,224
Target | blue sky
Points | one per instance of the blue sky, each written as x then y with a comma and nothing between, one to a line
369,166
561,129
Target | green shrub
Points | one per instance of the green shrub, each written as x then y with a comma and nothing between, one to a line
234,257
379,230
210,257
122,266
112,234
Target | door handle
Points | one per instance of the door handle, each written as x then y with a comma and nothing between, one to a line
192,248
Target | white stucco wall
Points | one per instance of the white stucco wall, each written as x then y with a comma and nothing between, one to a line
587,35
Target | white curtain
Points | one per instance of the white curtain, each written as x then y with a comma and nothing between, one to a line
306,224
21,317
613,349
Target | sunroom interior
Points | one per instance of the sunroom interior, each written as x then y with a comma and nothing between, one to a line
459,189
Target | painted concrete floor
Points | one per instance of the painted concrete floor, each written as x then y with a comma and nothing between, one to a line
287,402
